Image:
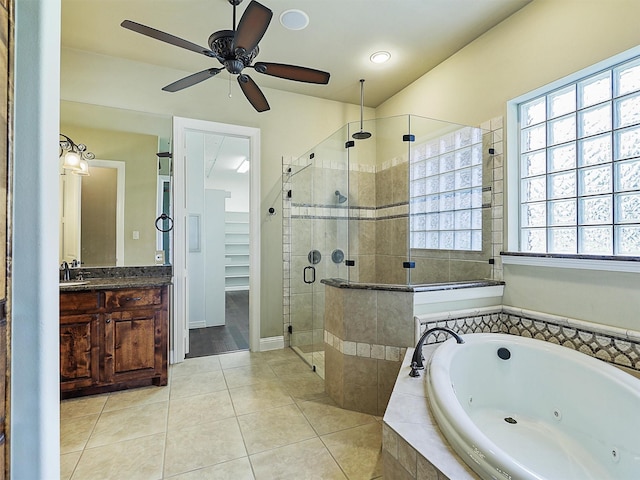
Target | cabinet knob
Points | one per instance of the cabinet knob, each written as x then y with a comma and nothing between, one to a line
108,320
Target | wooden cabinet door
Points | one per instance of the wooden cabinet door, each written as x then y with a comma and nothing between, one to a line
79,362
132,342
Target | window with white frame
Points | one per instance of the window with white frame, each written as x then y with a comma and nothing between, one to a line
579,166
446,191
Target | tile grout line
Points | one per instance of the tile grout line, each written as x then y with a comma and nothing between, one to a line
334,458
84,447
166,431
277,381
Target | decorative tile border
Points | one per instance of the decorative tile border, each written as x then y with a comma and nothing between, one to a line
613,345
366,350
332,212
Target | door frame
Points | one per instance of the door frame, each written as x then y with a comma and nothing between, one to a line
180,325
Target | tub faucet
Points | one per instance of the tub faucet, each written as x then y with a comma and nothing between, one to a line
416,361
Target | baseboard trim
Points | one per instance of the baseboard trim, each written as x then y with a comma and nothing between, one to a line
200,324
271,343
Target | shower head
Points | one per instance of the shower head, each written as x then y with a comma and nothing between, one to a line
361,135
341,198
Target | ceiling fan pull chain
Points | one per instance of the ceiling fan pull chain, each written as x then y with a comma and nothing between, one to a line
229,86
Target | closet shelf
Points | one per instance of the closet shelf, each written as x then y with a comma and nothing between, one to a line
237,250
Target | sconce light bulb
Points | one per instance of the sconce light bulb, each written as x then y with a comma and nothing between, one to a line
83,168
72,161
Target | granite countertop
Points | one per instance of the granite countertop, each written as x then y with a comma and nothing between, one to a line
110,283
341,283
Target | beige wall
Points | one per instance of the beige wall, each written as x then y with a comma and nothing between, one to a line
543,42
139,154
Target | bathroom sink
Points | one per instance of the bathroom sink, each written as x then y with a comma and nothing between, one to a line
73,284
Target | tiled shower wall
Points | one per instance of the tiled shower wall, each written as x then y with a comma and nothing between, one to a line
377,216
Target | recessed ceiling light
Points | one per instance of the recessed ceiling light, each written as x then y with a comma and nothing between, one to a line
243,167
380,57
294,19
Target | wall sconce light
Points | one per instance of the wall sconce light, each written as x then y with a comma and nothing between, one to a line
75,156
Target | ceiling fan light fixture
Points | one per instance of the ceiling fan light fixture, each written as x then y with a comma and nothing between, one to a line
294,19
380,57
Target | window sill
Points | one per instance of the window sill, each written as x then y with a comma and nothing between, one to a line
580,262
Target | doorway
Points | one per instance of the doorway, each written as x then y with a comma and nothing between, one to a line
216,260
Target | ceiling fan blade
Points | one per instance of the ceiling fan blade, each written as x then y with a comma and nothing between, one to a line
192,79
292,72
252,27
166,37
253,93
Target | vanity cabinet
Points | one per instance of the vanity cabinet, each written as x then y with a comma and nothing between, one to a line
113,339
79,351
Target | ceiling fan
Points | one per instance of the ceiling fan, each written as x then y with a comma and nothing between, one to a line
235,50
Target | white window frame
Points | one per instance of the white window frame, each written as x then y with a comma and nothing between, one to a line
512,214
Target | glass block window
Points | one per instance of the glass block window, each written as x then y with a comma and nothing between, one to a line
579,148
446,191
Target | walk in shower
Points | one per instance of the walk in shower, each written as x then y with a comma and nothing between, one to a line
409,205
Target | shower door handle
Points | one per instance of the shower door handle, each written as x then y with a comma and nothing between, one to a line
313,274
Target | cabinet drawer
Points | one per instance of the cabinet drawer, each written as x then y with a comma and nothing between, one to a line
133,297
79,301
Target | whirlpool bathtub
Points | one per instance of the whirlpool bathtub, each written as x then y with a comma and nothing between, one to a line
519,408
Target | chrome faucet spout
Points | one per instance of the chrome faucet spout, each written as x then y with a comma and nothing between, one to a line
417,359
66,276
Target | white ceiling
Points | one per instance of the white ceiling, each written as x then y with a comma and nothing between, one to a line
341,36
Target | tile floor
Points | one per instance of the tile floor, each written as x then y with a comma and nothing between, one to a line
233,416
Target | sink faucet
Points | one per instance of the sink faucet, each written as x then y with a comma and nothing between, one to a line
65,269
416,361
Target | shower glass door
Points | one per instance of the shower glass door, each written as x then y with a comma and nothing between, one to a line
319,240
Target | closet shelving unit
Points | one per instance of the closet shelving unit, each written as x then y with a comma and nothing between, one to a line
236,235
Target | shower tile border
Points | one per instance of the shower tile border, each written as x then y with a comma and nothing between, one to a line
620,347
366,350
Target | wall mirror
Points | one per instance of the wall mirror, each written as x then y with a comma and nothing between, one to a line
108,218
